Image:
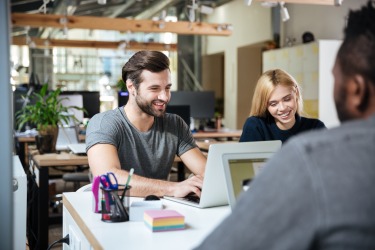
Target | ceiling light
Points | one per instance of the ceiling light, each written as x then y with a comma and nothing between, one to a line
161,25
284,12
121,45
338,2
102,1
191,15
268,4
248,2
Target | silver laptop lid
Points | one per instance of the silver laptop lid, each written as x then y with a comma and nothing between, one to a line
241,168
66,136
214,191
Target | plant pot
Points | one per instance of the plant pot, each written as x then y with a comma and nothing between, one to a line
44,143
48,135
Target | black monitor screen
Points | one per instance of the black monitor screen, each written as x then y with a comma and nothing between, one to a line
123,97
182,110
91,101
202,103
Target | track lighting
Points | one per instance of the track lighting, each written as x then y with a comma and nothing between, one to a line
248,2
284,12
338,2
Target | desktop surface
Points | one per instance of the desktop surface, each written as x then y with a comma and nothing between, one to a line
135,235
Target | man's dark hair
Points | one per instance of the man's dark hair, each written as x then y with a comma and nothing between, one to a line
357,52
154,61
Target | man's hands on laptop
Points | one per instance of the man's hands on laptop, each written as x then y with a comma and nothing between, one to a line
188,186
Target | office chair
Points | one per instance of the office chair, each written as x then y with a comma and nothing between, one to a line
85,188
77,177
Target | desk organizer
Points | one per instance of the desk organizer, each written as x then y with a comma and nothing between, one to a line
114,208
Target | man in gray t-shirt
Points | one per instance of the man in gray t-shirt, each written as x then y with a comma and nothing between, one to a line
140,135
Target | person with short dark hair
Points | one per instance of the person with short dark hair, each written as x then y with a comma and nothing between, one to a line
318,191
141,135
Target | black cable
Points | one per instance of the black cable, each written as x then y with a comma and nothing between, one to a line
63,240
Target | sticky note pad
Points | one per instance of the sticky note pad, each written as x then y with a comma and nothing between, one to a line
164,220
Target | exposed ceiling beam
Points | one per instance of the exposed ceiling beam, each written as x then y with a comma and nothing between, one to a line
320,2
120,24
41,43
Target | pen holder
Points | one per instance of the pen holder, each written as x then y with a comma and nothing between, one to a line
115,204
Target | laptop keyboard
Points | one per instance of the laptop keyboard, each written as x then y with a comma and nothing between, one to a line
192,198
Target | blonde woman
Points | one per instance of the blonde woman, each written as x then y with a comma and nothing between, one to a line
276,109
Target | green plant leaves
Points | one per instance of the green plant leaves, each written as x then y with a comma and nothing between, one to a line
48,110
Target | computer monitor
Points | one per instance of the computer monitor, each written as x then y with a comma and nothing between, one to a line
182,110
123,97
91,101
202,103
76,101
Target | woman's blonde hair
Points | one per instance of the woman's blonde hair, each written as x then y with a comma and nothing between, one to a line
266,84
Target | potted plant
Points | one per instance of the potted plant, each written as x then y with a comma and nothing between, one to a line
46,114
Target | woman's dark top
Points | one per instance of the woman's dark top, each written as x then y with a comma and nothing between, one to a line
265,129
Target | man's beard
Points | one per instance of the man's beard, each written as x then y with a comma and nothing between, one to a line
148,107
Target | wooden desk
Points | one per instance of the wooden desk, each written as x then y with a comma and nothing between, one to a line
219,134
25,142
92,233
205,145
39,165
24,150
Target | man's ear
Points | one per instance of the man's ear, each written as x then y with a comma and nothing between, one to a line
358,93
130,86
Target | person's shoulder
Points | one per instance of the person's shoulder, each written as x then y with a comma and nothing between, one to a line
348,132
170,118
314,122
108,115
256,120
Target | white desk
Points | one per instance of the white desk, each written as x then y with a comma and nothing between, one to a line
91,233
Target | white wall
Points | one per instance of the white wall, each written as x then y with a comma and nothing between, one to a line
325,22
327,107
251,24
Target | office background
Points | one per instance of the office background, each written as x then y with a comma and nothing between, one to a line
251,25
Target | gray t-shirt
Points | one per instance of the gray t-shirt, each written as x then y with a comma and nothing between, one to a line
317,192
150,153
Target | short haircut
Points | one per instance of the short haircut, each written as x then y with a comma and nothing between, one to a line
266,84
357,52
154,61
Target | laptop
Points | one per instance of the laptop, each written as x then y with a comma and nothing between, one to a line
214,191
240,168
66,136
78,148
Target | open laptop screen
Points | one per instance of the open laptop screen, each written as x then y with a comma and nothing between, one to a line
242,171
240,168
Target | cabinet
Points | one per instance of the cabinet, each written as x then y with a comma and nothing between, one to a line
311,65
